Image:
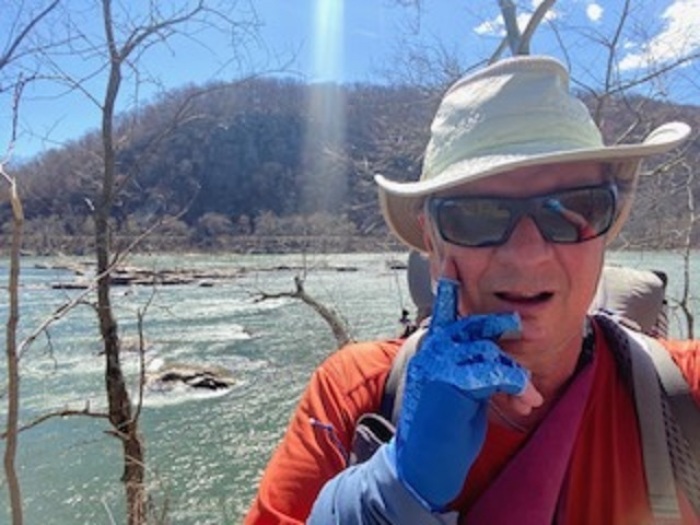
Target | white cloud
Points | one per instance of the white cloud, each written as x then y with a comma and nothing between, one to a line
491,27
496,27
594,12
680,36
523,19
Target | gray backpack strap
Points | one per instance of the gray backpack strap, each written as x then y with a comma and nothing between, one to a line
374,429
682,422
670,444
648,398
395,383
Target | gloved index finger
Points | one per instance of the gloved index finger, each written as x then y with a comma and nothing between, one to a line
445,304
494,327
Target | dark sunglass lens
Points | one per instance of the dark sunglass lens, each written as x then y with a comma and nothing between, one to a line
473,222
577,215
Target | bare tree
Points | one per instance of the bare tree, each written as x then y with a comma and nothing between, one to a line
127,37
12,356
12,50
684,299
124,51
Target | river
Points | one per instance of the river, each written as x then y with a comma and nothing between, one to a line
205,451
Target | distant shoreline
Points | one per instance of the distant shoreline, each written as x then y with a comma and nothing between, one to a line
245,245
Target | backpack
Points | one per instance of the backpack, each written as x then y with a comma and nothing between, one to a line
669,419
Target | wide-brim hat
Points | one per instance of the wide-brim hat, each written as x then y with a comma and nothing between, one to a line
513,114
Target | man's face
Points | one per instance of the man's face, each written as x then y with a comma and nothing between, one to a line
549,284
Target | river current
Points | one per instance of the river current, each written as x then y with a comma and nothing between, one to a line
205,451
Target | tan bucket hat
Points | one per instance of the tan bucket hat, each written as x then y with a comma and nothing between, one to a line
515,113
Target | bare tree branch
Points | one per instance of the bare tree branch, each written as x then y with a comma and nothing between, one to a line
59,414
9,55
532,25
510,20
333,320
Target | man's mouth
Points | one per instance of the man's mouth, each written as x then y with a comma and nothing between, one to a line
525,298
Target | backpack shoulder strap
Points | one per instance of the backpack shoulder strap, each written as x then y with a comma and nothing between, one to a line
681,421
393,388
652,426
372,429
669,446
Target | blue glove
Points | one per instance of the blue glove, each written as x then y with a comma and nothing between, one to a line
449,382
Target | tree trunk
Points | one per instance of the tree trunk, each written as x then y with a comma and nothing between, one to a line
120,411
119,402
13,487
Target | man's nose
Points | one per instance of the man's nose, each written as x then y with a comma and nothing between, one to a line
526,241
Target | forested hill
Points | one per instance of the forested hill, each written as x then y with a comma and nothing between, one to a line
223,165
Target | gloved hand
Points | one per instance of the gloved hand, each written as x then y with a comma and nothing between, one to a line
450,380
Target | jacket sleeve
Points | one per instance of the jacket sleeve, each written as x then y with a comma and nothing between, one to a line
686,355
314,447
370,493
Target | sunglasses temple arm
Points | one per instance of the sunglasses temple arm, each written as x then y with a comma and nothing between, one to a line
585,231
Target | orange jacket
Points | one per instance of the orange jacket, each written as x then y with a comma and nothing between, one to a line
606,482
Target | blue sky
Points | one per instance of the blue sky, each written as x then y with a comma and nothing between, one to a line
359,40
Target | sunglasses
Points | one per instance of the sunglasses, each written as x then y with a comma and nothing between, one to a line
565,217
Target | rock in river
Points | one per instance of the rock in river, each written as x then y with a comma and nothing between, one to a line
163,377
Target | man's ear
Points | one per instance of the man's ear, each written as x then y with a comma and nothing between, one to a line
430,247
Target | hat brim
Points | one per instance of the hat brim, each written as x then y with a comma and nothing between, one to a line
401,202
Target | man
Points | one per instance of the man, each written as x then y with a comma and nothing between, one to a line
515,409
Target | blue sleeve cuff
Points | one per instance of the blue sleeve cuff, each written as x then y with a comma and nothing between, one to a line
372,493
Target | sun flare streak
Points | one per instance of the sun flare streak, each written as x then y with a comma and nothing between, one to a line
327,40
324,181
